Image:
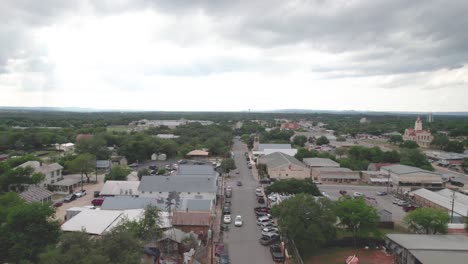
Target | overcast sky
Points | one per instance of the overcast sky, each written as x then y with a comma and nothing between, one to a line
396,55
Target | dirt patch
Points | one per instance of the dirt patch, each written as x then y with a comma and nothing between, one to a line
339,255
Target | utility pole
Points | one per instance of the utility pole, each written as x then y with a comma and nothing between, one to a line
453,205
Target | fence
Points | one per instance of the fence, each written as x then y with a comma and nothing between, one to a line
292,249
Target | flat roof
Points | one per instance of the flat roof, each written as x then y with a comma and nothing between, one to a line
120,188
440,256
93,222
67,182
178,184
262,147
431,242
320,162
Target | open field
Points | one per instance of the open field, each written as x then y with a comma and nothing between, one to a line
339,255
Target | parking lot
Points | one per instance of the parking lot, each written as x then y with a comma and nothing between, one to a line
379,202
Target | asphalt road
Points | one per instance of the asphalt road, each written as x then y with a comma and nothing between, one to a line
242,242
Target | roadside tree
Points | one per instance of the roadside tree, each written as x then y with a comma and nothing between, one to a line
118,173
427,221
227,165
322,141
294,186
84,164
300,140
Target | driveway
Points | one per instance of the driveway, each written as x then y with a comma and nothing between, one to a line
242,242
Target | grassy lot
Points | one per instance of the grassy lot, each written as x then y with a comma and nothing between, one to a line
339,255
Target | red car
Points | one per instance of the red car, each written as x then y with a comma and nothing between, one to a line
410,207
57,204
97,202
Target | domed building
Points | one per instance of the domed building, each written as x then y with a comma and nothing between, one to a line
418,134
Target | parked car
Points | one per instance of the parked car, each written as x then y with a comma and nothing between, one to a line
153,167
265,241
227,219
224,257
260,213
277,253
80,193
97,194
410,207
264,233
403,203
182,161
57,204
317,182
265,216
239,183
262,209
358,194
97,202
267,224
381,193
227,210
264,220
228,193
258,191
228,188
270,229
395,201
265,181
238,221
343,192
260,199
69,198
219,248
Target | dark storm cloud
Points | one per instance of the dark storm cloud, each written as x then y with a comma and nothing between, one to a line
393,36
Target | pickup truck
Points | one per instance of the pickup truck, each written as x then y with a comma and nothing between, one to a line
277,253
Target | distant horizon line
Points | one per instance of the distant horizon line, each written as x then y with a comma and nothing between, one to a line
286,110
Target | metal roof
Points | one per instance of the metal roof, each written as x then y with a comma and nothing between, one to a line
128,202
404,169
191,219
178,184
346,176
439,256
93,222
431,242
279,159
186,169
103,163
320,162
67,182
262,147
462,198
35,194
41,167
459,207
332,169
120,188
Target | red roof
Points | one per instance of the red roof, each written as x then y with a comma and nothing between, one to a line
191,219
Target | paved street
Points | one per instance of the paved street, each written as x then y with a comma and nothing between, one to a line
242,241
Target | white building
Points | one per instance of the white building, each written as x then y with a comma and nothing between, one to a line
52,172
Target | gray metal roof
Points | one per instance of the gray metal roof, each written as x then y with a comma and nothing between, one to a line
103,163
190,170
35,194
320,162
262,147
197,205
404,169
178,184
431,242
279,159
346,176
439,256
128,202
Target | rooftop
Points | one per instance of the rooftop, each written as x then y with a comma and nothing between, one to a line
41,167
103,163
187,169
191,219
320,162
262,147
460,207
279,159
431,242
332,169
404,169
120,188
178,184
198,152
35,194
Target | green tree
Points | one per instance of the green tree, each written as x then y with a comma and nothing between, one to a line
143,172
415,158
84,164
118,173
427,221
455,146
341,151
396,139
307,221
96,145
300,140
322,141
357,217
410,144
216,146
440,141
14,179
227,165
294,186
25,229
340,139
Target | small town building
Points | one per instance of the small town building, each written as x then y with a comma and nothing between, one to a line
282,166
375,177
443,200
65,147
332,175
418,134
428,249
290,126
196,222
167,136
118,160
37,194
261,150
172,238
52,172
407,178
67,185
120,188
103,165
187,170
198,154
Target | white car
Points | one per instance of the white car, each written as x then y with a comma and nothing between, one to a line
267,216
238,221
228,188
269,233
80,193
358,194
270,229
258,191
227,219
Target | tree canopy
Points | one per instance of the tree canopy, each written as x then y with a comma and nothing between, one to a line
322,141
300,140
427,221
118,173
84,163
227,165
309,222
293,186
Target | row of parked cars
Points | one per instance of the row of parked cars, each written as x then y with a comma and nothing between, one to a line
270,233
